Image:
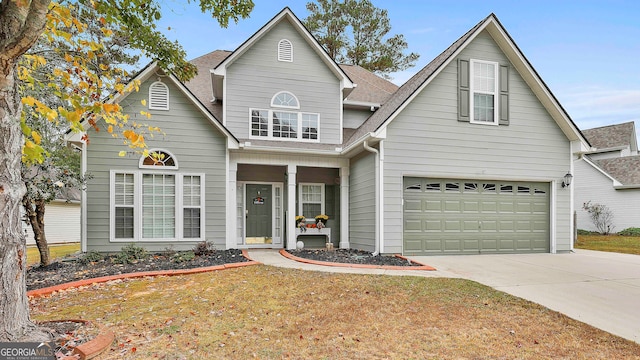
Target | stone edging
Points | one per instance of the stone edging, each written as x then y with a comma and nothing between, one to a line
85,282
284,253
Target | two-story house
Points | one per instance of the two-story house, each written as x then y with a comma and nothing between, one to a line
467,157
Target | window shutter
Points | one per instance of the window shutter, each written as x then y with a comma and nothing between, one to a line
463,91
158,96
504,95
285,50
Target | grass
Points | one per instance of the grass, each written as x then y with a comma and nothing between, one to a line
55,251
273,313
611,243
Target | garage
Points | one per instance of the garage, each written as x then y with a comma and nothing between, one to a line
453,216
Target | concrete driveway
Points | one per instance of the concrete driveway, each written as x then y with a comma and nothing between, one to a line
598,288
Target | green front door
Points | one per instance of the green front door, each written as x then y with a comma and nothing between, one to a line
259,217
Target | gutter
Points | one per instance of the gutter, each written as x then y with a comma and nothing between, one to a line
377,200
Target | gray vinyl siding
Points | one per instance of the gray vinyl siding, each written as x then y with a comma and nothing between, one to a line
362,208
198,147
427,140
590,184
256,76
354,118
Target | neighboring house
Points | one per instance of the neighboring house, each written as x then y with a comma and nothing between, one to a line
61,218
466,157
609,174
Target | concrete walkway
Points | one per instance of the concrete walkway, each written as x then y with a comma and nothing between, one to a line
597,288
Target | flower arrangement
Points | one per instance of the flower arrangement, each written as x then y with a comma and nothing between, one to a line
299,218
322,217
301,222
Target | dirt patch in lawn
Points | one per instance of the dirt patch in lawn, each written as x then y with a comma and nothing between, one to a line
273,313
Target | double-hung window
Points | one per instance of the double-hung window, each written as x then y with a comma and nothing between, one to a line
484,87
285,122
157,205
311,200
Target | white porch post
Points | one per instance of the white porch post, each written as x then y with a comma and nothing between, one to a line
291,207
344,207
232,226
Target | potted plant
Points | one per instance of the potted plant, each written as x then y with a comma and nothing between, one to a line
321,220
301,223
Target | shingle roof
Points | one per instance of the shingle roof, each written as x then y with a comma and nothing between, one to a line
624,169
200,85
371,88
611,136
408,88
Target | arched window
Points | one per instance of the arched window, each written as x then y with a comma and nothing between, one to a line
158,96
159,158
285,99
285,50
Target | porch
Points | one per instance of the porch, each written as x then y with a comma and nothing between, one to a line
266,199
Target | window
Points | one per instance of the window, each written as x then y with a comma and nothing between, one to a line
285,50
285,99
311,200
284,125
484,84
483,92
158,96
157,158
157,206
123,194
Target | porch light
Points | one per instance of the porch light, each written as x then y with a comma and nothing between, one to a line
566,180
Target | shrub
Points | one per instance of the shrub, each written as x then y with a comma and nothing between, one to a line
183,256
129,254
601,216
632,231
587,232
91,256
204,248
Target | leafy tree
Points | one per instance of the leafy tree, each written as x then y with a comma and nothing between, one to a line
59,173
22,22
601,216
355,32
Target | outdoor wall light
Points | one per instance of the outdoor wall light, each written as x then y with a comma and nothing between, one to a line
566,180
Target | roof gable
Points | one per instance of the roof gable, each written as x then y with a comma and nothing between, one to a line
286,14
377,123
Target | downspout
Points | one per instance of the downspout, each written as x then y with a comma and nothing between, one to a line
377,193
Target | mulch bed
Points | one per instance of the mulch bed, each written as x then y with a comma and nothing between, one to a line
73,269
350,256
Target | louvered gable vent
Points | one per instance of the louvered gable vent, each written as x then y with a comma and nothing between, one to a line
285,50
158,96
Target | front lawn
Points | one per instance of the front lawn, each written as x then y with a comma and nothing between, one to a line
611,243
266,312
55,251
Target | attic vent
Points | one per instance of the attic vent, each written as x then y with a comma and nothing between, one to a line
158,96
285,50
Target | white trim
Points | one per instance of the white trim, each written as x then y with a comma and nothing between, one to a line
301,203
298,138
495,93
158,150
276,242
285,50
137,207
83,201
297,106
158,96
553,199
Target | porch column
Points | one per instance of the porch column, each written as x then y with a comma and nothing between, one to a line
344,207
291,207
232,226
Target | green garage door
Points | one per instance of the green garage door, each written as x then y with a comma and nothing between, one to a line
446,216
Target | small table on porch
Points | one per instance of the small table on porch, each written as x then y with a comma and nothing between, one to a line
314,232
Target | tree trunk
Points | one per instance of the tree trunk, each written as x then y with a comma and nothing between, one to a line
35,213
21,22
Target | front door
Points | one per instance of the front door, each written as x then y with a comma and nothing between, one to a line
259,217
